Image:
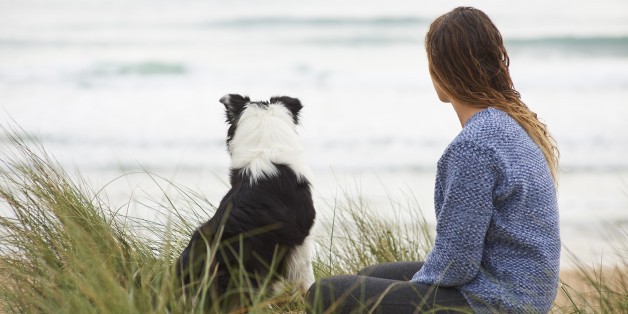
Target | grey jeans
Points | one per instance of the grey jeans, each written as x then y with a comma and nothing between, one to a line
383,288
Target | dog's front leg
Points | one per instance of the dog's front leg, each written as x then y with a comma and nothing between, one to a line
299,269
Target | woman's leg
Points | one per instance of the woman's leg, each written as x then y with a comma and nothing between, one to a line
359,294
394,270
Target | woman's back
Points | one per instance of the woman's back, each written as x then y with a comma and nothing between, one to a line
508,248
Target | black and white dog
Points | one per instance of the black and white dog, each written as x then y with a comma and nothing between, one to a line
266,217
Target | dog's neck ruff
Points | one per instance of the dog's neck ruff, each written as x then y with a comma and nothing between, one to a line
265,137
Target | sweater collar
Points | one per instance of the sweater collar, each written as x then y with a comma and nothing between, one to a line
482,113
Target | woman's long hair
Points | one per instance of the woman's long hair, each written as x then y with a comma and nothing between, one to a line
468,61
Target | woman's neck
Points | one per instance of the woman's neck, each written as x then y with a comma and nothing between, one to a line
464,110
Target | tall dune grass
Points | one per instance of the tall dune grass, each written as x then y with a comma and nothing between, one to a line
595,289
64,249
356,236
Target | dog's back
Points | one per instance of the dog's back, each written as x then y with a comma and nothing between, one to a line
262,224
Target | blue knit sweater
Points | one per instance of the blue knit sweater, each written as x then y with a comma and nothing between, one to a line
497,235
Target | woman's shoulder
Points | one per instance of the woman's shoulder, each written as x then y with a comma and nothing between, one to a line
492,137
492,134
494,130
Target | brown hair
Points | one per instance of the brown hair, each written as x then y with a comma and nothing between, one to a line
468,61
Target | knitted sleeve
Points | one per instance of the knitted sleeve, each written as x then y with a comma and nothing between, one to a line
467,180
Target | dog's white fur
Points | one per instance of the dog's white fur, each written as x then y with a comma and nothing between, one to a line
299,265
264,137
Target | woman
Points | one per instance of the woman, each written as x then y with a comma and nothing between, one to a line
497,243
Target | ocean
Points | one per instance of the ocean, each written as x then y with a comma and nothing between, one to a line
115,87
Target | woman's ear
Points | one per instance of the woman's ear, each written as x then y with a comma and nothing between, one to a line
440,92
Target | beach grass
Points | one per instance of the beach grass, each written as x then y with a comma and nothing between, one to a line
64,249
594,289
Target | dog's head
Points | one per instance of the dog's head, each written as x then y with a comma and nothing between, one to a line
282,110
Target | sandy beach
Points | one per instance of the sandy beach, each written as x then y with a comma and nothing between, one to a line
591,284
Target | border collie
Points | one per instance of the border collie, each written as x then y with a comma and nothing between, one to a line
264,220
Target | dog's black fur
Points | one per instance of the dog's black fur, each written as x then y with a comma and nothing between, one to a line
257,223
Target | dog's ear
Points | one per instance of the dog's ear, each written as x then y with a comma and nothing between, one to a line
293,104
234,104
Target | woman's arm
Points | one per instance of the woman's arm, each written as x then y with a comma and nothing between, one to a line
467,178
